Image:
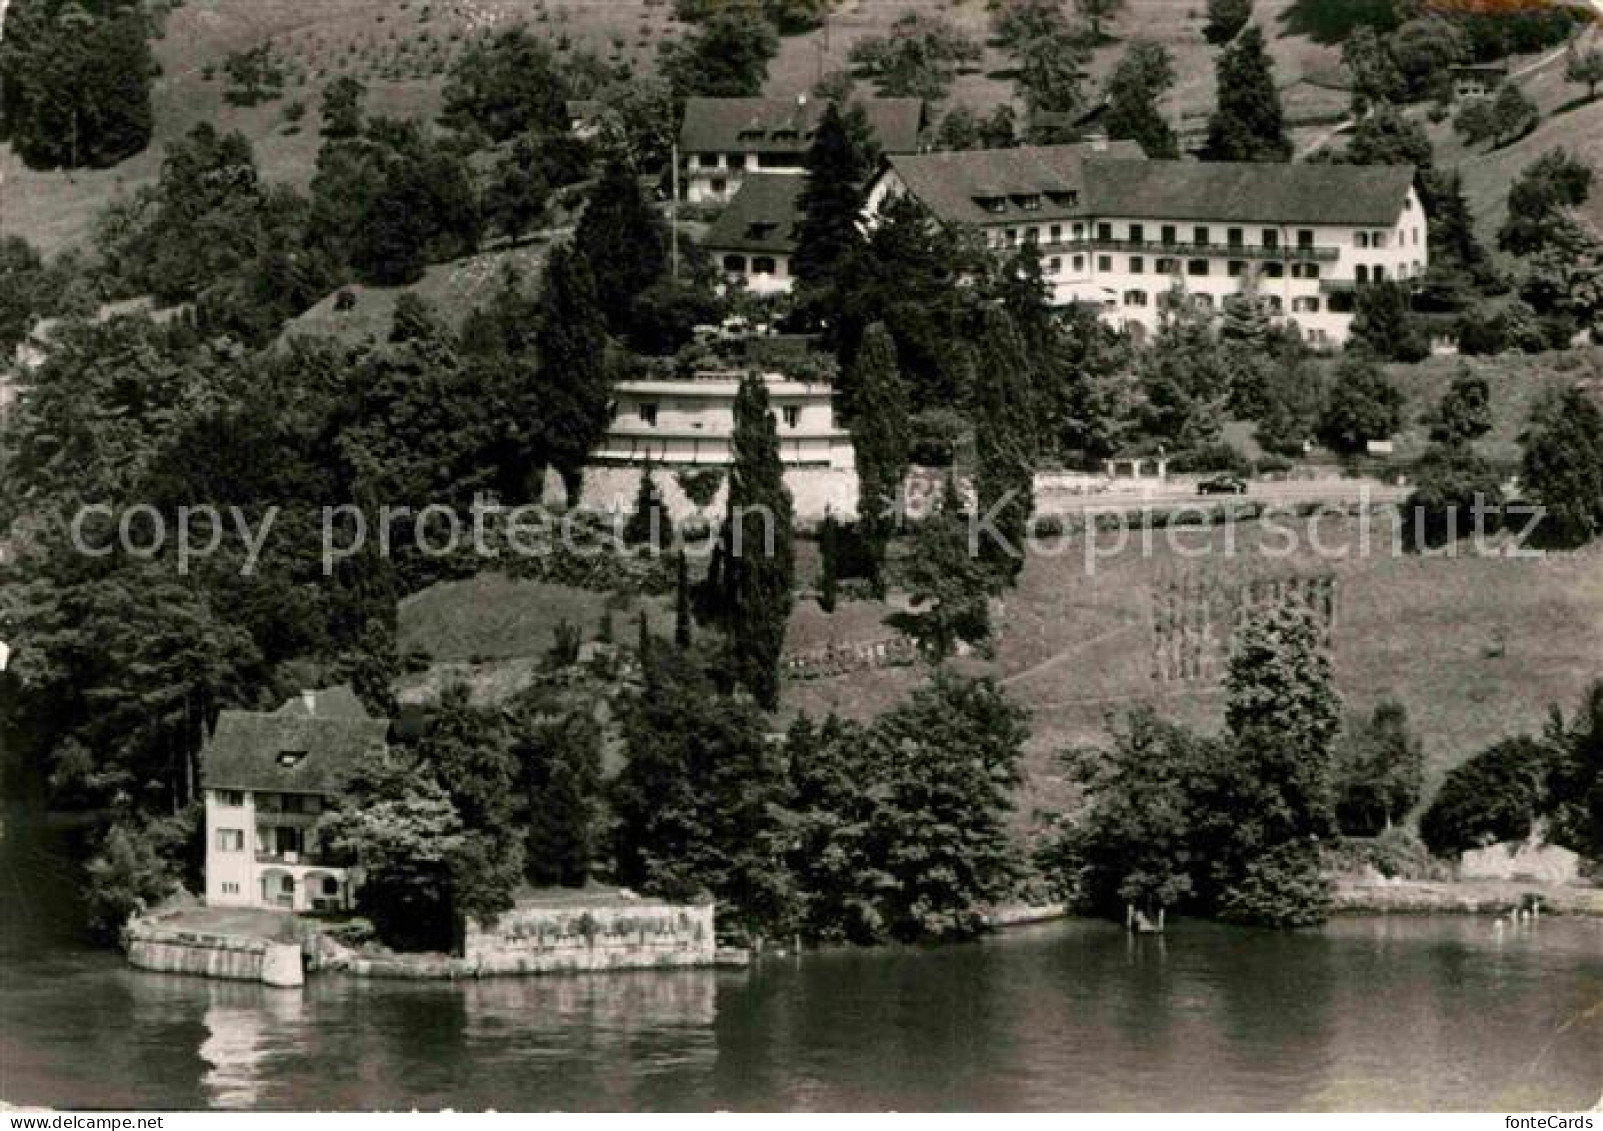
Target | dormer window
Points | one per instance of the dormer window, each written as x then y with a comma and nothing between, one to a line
751,134
1066,199
992,204
1030,203
760,229
289,759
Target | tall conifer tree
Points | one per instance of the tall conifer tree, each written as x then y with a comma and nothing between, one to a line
1247,124
758,559
880,435
838,165
1005,480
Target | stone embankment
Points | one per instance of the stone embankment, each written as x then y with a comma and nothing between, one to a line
153,945
537,939
1464,897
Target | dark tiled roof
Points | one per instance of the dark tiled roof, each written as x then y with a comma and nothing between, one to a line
785,125
1082,181
1248,193
331,733
762,216
951,184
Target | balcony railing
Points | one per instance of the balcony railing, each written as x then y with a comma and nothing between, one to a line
299,859
1182,250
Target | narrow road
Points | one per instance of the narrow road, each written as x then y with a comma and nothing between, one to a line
1590,34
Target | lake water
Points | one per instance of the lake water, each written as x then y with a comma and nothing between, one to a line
1440,1013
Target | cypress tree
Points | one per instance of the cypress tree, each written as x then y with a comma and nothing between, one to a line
649,522
829,552
758,556
838,165
1005,477
681,604
1247,124
571,391
880,435
624,241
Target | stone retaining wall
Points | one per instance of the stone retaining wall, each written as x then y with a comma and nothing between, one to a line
150,946
534,939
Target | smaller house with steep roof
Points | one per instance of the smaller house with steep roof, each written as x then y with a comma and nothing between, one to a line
723,140
753,239
268,776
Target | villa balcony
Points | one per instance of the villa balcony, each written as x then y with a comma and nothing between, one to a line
1182,250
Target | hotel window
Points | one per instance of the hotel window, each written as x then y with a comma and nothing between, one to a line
735,264
1362,273
1361,239
1236,268
1079,263
1199,236
762,265
1197,267
648,413
1055,265
1305,305
1305,237
1079,231
1135,298
1380,274
1168,234
1104,263
1271,237
1012,236
1166,266
791,414
737,160
230,840
1235,237
1305,270
1274,270
1138,265
1137,233
1104,231
231,798
230,888
1057,233
1378,240
720,186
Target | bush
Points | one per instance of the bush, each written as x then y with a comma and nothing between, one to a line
1495,796
140,863
936,436
1396,853
700,485
1217,456
1285,887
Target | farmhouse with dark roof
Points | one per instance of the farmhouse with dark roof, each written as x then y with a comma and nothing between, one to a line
722,140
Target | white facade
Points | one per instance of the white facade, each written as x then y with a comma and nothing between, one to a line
713,178
1125,266
691,421
262,850
761,273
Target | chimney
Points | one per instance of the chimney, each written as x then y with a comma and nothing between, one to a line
310,699
801,99
1099,142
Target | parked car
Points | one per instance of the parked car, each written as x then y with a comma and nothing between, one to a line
1225,484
